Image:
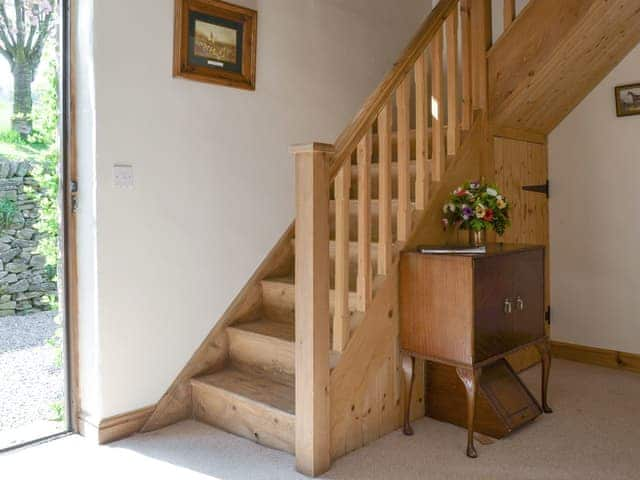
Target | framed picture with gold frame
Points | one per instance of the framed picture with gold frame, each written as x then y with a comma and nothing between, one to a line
628,100
215,41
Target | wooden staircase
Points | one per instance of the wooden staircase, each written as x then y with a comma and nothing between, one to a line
306,358
253,396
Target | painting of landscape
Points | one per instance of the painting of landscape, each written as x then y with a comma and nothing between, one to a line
215,42
628,100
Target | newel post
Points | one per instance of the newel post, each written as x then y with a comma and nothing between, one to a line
312,308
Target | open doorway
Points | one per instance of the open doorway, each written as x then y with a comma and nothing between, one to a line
33,367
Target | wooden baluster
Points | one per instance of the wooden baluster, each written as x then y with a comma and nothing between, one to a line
312,441
437,111
385,239
364,279
452,82
509,12
403,99
422,172
465,19
480,43
341,315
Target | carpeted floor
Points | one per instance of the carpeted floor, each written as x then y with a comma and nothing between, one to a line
594,433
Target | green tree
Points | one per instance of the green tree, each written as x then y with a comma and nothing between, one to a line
24,30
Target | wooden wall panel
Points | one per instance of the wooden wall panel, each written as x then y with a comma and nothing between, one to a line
367,390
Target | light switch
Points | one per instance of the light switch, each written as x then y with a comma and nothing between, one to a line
123,176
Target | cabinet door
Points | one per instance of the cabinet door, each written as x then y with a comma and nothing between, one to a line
493,284
528,317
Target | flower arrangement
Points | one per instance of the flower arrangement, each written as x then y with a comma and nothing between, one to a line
477,207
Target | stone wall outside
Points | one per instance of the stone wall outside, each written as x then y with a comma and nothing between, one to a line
25,283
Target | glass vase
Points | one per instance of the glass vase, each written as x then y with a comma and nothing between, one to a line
477,238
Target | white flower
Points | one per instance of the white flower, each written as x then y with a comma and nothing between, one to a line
452,207
492,192
480,211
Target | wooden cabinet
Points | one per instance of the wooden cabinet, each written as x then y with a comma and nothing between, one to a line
468,312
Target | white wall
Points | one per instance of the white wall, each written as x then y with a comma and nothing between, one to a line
595,230
213,178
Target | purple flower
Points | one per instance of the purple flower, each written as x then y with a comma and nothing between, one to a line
467,213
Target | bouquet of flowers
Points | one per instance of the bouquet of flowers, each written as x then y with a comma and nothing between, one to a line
475,206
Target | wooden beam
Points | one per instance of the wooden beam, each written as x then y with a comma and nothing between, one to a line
520,134
312,443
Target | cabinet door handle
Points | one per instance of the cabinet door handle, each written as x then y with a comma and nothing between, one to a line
508,306
520,303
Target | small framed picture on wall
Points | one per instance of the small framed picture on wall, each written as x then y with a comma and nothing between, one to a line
215,41
628,100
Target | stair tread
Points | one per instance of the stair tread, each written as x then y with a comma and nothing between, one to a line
269,328
258,388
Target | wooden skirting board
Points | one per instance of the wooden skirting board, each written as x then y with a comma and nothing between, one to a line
114,428
596,356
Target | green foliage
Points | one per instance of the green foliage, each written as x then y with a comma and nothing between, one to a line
12,137
46,119
58,412
475,206
46,115
56,342
8,211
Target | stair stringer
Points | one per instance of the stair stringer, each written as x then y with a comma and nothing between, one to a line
367,389
212,354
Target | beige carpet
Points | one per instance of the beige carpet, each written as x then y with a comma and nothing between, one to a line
593,434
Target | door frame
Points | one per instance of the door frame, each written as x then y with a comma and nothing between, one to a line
68,222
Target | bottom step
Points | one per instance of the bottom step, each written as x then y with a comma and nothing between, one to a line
247,404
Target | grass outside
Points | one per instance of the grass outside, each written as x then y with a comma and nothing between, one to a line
10,147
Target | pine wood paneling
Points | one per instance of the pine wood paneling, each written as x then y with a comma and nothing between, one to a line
538,75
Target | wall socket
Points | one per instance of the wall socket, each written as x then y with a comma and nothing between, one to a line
123,176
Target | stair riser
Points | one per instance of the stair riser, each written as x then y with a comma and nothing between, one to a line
243,417
272,355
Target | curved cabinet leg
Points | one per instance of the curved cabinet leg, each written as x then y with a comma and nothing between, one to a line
409,368
545,354
469,378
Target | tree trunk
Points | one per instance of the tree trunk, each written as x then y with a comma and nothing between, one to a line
22,98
